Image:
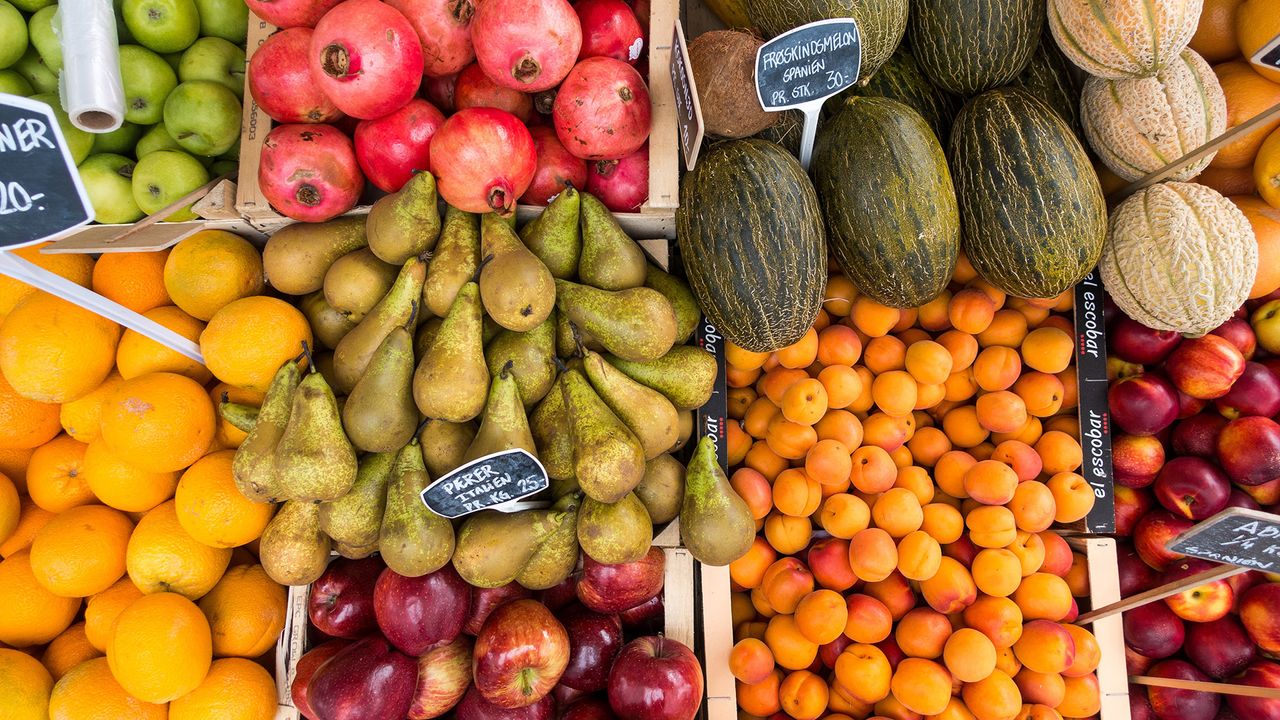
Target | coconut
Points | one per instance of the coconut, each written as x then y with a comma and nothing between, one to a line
724,69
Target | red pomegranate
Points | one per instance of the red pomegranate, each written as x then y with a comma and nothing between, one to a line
291,13
602,110
556,168
309,172
526,45
280,80
444,29
475,89
641,9
439,90
623,184
610,28
483,160
365,56
392,147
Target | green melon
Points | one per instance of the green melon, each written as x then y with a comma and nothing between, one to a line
967,46
1052,78
900,79
880,22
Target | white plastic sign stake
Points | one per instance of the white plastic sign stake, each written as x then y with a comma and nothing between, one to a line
803,67
688,108
1268,56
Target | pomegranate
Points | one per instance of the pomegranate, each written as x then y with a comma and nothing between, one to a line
309,172
483,160
526,45
365,56
556,168
291,13
641,9
475,89
280,80
439,90
623,184
444,29
602,110
610,28
392,147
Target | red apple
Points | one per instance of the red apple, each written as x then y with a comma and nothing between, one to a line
1257,392
1192,487
1137,343
613,588
484,600
1242,582
1153,630
1220,648
1238,332
1249,450
306,669
1136,459
1188,406
1241,499
444,674
1205,367
1154,532
594,641
1135,575
564,695
1182,704
592,707
645,617
655,678
1198,435
417,614
559,596
1143,405
1266,494
1135,663
341,600
1139,707
367,680
1131,505
519,654
1262,673
1203,603
1260,613
475,707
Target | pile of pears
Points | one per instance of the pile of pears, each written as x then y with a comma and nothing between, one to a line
445,337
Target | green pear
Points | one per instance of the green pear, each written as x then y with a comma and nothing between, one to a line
241,417
444,444
455,261
355,283
554,236
379,415
662,489
413,540
647,412
254,466
637,324
406,222
532,357
608,459
504,425
571,339
452,379
557,557
352,355
297,256
354,519
613,533
677,292
517,289
314,460
494,547
715,523
686,375
548,424
293,550
327,324
610,259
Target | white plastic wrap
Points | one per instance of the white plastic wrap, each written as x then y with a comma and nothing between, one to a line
91,89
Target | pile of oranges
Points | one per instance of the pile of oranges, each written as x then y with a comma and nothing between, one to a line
905,468
129,585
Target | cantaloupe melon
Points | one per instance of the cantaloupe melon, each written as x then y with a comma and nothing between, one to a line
1179,257
1123,38
1139,125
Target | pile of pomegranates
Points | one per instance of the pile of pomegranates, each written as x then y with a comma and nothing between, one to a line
504,101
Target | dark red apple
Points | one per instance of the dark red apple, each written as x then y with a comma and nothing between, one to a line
1205,367
417,614
1220,648
1260,613
565,695
1135,575
475,707
1242,582
1152,630
367,680
1257,392
484,600
341,600
594,641
1192,487
613,588
593,707
655,678
1182,704
559,596
645,617
1203,603
1249,450
306,669
1188,406
1238,332
1135,663
520,654
1154,532
1131,505
1198,435
1136,459
444,674
1139,707
1137,343
1143,405
1241,499
1262,673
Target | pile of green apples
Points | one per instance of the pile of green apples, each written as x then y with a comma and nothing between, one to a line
182,64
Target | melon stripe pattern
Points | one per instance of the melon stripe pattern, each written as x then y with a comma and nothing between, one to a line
881,22
900,79
1123,38
967,46
1050,77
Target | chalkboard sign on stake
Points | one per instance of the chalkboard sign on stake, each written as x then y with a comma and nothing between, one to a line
1268,56
803,67
495,481
41,195
688,108
1236,536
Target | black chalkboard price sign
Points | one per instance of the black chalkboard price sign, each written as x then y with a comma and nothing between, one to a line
688,109
1236,536
485,483
1268,56
40,191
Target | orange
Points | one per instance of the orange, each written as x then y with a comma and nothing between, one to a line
1229,181
25,423
101,611
82,418
1266,169
67,651
13,464
212,510
139,355
54,351
133,279
90,692
81,551
123,486
1215,37
1257,23
1266,229
248,340
1248,94
76,267
55,477
210,269
32,615
24,686
10,508
162,557
31,518
234,689
161,648
246,612
160,422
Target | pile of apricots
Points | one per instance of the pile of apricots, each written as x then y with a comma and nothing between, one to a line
905,469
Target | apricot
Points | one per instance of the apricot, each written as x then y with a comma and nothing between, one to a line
923,633
754,489
843,704
801,353
933,315
1008,329
805,402
739,442
796,494
919,556
1045,647
873,469
990,482
1088,654
1083,697
1043,596
863,402
749,570
929,362
1019,456
828,462
1029,548
791,649
969,655
1064,423
928,445
753,629
785,582
950,470
995,697
839,345
1042,394
916,479
751,661
1000,619
959,387
871,318
1048,349
991,526
1029,433
922,686
803,695
828,560
844,515
1078,576
1040,688
743,359
906,320
760,699
1057,554
773,385
1059,451
839,296
788,439
740,608
1007,662
887,431
1072,495
758,415
884,354
869,620
897,511
997,572
962,426
842,384
788,535
841,426
760,602
873,555
894,592
971,310
942,522
951,589
1034,506
962,347
1070,388
1037,712
955,710
863,672
997,368
737,379
821,616
764,460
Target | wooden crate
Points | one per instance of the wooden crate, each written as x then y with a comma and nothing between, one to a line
1104,589
656,218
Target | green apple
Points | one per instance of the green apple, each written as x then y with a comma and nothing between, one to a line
30,6
157,138
31,67
41,30
226,19
13,34
174,59
164,176
1266,325
123,36
203,116
224,167
79,142
108,178
212,58
165,26
232,153
12,82
119,141
148,80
